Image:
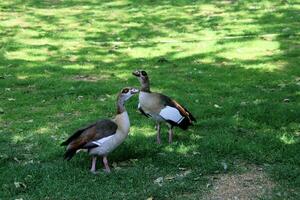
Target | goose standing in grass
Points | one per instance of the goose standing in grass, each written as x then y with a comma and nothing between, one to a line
103,136
161,108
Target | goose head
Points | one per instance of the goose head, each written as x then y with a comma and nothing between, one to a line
126,93
142,76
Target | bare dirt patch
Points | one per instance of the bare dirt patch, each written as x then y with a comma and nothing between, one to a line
252,184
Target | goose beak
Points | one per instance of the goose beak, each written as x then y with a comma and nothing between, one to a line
136,73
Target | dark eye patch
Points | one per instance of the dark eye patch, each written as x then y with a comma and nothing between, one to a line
144,73
125,90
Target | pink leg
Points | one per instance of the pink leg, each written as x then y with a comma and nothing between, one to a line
158,133
105,162
93,168
170,135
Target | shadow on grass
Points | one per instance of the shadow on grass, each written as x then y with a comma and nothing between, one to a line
245,110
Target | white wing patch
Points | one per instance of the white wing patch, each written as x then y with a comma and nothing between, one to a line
102,140
170,113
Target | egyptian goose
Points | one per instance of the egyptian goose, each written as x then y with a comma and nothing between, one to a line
103,136
161,108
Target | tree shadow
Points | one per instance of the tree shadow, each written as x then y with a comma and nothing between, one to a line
241,110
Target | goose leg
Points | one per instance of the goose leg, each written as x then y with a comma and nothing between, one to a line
105,162
170,135
158,133
93,167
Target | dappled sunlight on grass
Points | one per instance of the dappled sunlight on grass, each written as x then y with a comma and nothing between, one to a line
181,149
255,49
77,66
43,130
233,64
145,131
182,50
17,138
288,139
67,32
29,55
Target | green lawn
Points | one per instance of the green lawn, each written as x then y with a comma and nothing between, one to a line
234,64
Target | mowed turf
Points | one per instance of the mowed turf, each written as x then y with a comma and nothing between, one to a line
234,64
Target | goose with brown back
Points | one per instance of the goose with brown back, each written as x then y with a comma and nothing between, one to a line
161,108
103,136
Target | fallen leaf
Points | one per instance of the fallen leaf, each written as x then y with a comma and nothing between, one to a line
182,175
217,106
159,181
150,198
54,137
225,167
208,185
286,100
133,160
243,103
11,99
29,121
257,101
28,162
20,185
187,172
1,111
169,177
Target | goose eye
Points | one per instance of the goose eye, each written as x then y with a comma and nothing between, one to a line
125,90
144,73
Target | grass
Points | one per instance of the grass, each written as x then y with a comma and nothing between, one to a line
234,64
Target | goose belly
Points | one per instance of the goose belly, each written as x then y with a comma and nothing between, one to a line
107,145
156,117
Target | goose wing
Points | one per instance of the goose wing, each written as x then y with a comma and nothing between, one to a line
175,114
183,111
88,136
